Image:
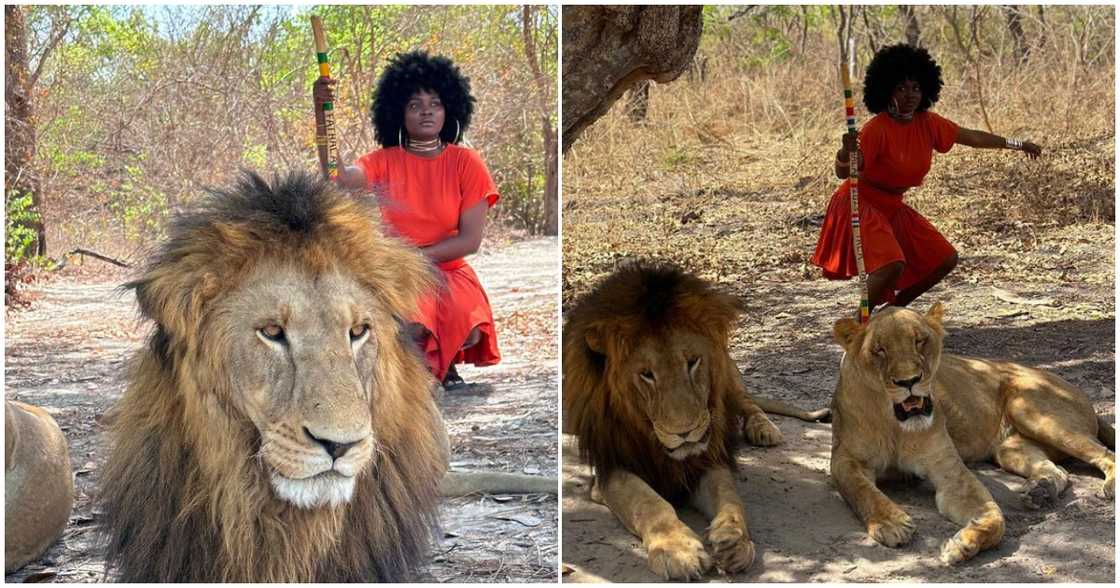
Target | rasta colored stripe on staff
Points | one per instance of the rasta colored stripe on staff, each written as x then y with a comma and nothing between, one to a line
853,181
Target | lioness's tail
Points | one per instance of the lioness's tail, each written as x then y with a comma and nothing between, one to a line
823,415
1105,432
457,483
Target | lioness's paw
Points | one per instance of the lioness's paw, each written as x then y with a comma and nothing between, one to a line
957,549
731,544
678,555
1108,489
758,430
1039,493
892,532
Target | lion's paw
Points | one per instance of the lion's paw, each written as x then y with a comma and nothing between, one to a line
758,430
1040,492
957,549
892,533
731,544
678,555
1108,488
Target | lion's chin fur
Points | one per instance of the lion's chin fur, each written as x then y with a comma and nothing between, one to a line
916,424
326,489
688,450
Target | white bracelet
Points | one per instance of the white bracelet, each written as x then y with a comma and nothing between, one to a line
1014,143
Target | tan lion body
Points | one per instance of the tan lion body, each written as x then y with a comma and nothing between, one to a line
38,484
1022,418
655,399
279,426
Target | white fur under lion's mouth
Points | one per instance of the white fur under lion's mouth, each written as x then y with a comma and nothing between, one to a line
328,488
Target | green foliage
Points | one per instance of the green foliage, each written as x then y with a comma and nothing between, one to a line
255,156
19,225
675,158
140,207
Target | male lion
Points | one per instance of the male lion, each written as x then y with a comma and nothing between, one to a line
278,427
652,394
903,406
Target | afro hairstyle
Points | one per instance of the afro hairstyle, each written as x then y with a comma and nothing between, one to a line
897,63
408,73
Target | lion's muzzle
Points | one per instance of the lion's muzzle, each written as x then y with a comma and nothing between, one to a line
683,446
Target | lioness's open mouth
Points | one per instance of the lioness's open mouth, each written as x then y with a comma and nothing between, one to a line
913,406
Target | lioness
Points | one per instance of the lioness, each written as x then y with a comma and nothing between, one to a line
902,405
38,485
652,394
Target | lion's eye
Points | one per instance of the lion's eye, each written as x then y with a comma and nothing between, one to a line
358,331
921,342
647,375
272,333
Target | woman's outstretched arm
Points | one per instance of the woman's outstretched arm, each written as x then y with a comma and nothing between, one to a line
985,140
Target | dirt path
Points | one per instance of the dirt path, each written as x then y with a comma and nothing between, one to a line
803,529
67,353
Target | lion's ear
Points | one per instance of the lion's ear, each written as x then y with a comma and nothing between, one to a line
845,331
593,336
934,314
173,294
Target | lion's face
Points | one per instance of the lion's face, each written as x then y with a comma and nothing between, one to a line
898,352
671,378
300,352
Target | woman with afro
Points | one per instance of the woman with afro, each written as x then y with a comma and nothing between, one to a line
904,255
435,194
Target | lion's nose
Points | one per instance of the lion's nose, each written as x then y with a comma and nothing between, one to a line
908,384
334,448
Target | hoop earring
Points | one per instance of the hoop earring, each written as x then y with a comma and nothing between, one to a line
458,134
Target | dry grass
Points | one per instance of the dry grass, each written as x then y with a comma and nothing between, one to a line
729,176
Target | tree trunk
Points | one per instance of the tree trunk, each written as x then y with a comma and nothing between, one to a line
551,216
608,49
913,31
1015,26
1042,27
19,129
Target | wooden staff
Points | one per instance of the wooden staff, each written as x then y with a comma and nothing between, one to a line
326,134
853,180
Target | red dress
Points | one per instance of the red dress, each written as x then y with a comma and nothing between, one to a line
421,199
896,156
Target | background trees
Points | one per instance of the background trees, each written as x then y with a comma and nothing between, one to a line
135,110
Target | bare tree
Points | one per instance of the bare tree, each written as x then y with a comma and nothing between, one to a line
1015,26
551,220
910,18
19,128
637,102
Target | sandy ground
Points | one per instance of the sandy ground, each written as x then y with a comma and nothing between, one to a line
805,532
67,351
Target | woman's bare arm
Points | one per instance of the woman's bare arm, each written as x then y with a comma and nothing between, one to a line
471,223
985,140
